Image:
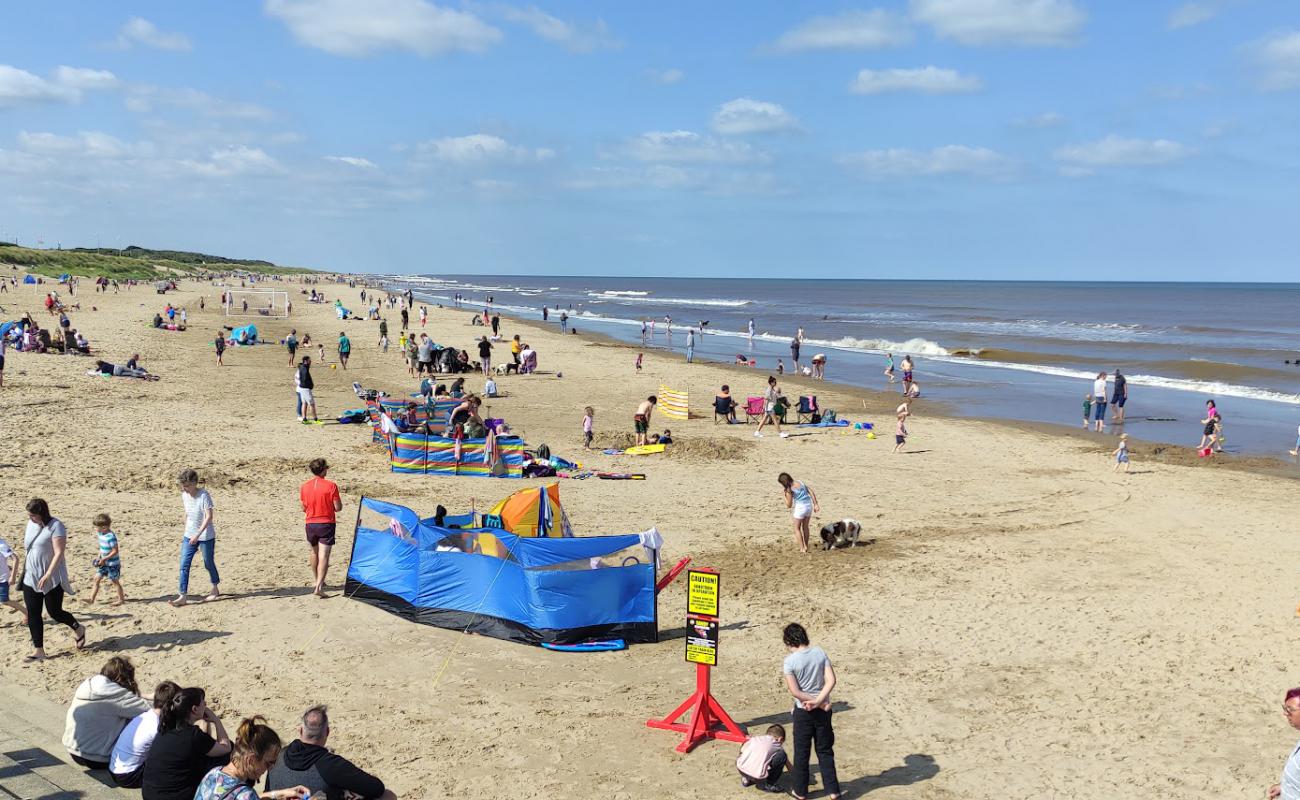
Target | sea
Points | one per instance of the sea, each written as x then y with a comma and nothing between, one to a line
1021,350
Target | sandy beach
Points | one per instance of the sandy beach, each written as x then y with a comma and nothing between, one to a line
1022,623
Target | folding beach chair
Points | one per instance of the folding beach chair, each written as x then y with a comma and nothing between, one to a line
723,408
753,409
807,408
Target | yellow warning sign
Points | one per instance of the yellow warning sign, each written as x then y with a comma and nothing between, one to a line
702,593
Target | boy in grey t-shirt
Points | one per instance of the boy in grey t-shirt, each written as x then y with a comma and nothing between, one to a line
810,678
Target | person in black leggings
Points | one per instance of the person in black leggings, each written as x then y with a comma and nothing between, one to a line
46,576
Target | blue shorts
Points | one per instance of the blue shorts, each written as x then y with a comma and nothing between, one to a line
1122,458
4,591
1118,402
111,571
1098,410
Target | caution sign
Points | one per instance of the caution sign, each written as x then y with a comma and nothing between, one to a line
701,640
702,593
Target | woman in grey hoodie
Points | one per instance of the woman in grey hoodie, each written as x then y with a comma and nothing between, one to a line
102,706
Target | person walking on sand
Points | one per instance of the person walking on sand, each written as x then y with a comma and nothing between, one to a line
1118,397
220,344
496,324
345,349
485,355
320,502
1289,788
291,344
424,315
690,345
641,419
588,416
45,577
810,679
802,502
771,410
200,536
1099,403
1121,453
306,396
900,432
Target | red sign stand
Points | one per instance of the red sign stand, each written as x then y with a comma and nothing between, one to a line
708,719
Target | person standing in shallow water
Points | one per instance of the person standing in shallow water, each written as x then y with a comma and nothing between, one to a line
1118,397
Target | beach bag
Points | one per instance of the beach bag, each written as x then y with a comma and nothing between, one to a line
816,419
543,453
829,416
353,415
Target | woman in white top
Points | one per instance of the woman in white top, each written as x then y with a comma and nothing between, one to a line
46,576
126,764
1099,402
771,397
200,536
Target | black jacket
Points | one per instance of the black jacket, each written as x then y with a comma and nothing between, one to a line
304,377
309,764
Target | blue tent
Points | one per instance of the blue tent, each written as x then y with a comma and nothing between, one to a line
29,279
245,335
64,277
534,590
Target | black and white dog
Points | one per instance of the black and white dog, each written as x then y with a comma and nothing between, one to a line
844,533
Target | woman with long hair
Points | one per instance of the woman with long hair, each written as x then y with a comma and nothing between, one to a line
126,765
256,749
45,579
802,502
101,708
182,753
771,408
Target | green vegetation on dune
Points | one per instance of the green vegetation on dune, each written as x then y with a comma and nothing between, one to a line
133,262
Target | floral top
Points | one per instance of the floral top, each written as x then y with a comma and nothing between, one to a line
217,785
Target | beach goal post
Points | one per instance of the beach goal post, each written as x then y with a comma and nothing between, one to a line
257,303
673,404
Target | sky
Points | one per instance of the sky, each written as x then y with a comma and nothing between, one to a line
966,139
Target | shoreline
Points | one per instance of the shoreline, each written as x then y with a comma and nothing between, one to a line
1160,452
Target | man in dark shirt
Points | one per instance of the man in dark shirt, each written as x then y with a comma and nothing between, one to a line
305,387
1118,396
307,762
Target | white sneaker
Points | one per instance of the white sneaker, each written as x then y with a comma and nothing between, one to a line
758,434
785,436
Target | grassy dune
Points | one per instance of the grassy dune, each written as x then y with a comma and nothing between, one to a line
132,262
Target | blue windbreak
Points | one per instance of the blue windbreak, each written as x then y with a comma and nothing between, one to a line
409,567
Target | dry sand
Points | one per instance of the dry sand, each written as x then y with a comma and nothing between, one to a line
1025,623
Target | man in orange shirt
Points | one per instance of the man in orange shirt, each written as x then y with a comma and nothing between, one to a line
320,501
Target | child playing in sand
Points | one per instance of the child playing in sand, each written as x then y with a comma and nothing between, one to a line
1087,410
589,414
109,563
9,577
780,367
1121,453
639,356
763,759
900,433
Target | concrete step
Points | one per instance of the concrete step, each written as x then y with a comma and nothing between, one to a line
33,763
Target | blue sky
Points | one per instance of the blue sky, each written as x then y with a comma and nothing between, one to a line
1052,139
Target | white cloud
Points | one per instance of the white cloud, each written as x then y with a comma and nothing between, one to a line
743,115
666,76
688,147
353,161
234,161
989,22
1048,119
144,99
1278,58
927,80
78,78
479,148
572,36
1196,12
953,159
1117,151
141,31
361,27
87,144
851,30
65,85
